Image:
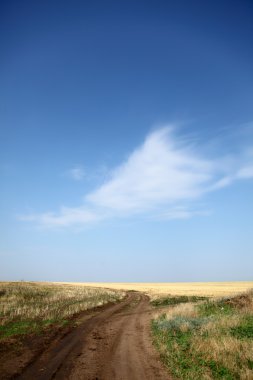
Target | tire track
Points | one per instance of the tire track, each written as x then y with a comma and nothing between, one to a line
112,345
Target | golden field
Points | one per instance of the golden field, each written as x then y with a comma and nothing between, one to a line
209,289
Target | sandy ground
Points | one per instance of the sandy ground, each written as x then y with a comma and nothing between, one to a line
112,344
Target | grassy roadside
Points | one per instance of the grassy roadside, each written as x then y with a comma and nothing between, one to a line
208,340
31,307
176,300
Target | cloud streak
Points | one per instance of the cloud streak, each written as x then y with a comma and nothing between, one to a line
158,172
161,177
77,173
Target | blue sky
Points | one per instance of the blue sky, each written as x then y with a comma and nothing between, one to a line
126,140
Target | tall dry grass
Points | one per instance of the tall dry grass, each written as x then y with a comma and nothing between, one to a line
35,302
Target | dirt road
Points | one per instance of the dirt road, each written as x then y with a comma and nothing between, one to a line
113,344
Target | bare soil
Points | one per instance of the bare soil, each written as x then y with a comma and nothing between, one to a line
112,343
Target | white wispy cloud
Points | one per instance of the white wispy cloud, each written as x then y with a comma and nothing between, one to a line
245,172
67,216
160,178
180,212
158,172
77,173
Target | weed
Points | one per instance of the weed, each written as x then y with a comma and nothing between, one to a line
179,324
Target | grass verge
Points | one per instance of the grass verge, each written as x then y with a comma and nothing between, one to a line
210,340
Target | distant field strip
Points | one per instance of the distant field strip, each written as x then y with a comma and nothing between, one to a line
209,289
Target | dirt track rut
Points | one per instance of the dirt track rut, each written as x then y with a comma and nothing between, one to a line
115,344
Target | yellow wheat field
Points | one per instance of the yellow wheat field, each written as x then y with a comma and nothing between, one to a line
210,289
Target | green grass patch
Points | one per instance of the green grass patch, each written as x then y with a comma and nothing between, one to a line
244,330
15,328
215,308
170,301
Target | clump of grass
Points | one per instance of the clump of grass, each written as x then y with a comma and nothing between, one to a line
214,342
175,300
30,307
179,324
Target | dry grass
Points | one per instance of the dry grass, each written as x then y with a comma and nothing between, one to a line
35,304
186,310
211,340
154,290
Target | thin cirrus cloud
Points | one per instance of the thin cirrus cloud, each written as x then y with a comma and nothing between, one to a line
77,173
159,179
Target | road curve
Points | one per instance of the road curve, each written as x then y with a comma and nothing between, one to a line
115,344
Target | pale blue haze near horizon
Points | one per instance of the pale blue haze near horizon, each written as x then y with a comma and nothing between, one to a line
126,146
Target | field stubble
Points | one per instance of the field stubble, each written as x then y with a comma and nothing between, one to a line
30,307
